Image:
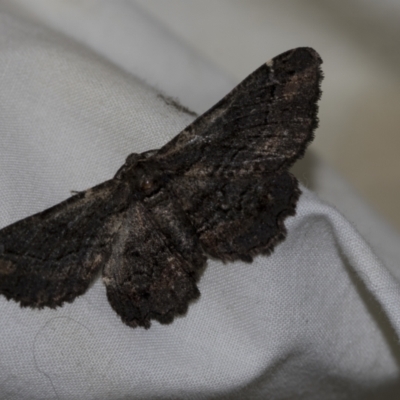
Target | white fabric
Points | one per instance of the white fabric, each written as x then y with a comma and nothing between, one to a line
318,319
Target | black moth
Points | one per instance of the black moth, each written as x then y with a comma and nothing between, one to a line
220,188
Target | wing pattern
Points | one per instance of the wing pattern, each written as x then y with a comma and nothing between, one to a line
238,219
220,188
152,272
259,128
51,257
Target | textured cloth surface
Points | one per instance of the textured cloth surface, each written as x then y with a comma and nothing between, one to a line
318,319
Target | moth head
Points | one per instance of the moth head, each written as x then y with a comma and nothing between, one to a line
144,177
129,169
129,165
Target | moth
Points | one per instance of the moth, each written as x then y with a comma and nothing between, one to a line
220,188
